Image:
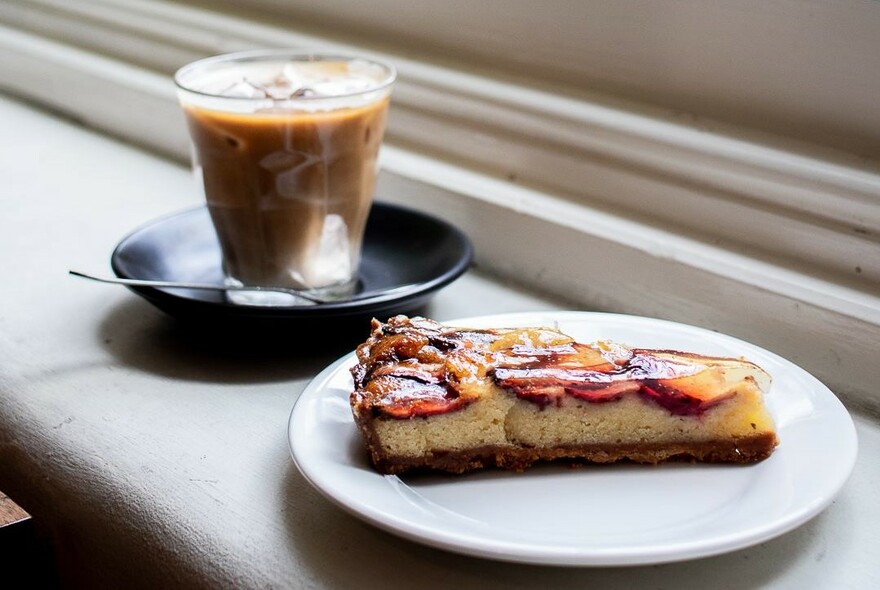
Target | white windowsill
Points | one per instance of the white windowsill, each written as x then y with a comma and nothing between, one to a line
149,460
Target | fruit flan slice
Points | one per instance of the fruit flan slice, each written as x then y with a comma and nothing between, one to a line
431,397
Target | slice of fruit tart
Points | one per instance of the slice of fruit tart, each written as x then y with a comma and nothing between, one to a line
431,397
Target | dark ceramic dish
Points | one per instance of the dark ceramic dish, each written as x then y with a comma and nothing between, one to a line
401,247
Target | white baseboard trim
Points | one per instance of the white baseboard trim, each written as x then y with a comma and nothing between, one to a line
575,246
629,233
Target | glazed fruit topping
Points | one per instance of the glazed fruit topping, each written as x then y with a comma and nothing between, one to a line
417,367
406,397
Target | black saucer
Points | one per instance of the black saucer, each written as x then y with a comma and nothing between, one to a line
401,247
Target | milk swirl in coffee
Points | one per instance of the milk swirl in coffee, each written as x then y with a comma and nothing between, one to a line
287,153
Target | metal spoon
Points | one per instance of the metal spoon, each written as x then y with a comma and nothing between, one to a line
214,287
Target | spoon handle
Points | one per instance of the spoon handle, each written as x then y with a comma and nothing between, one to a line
200,286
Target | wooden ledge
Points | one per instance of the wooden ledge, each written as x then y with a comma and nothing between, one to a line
10,512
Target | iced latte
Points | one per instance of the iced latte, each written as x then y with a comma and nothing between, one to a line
286,148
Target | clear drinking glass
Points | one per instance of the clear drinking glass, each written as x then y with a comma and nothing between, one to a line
286,147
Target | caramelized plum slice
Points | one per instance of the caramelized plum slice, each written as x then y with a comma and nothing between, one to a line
405,397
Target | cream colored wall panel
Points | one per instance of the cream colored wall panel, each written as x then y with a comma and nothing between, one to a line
802,68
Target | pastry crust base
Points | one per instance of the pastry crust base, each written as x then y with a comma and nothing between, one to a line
741,451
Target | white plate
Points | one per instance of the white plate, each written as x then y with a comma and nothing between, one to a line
593,515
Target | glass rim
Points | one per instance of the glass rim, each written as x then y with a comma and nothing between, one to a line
258,55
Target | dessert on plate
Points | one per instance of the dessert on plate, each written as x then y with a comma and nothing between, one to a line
432,397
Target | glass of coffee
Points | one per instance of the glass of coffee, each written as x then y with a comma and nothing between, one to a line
286,148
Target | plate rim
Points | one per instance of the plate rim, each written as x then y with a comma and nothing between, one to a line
536,554
360,306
